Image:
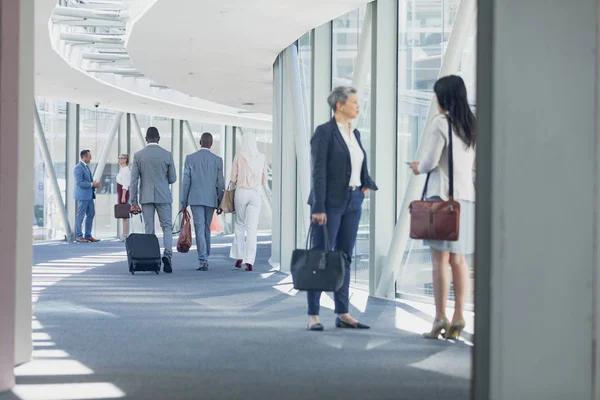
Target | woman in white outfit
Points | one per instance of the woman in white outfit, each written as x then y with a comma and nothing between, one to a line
248,173
123,182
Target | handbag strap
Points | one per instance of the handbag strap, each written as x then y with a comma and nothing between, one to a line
325,233
450,165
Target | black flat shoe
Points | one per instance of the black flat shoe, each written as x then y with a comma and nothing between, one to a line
167,265
341,324
316,327
203,267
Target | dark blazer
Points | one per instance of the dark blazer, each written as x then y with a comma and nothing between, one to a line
331,168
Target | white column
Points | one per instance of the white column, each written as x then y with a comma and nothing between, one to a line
72,158
362,65
276,191
124,148
16,144
537,201
22,232
114,128
49,167
321,72
384,122
450,64
177,151
301,135
125,135
289,167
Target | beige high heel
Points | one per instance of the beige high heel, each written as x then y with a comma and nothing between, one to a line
437,328
453,332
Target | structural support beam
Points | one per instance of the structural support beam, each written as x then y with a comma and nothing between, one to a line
49,168
177,152
537,265
228,149
114,128
124,148
276,199
16,173
135,125
22,233
301,135
190,134
383,149
362,65
289,167
71,160
462,24
321,82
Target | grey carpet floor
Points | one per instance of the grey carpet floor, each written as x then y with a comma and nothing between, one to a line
222,334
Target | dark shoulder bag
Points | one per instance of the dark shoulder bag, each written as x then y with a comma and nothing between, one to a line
436,220
318,269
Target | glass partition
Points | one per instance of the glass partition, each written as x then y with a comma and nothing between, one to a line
423,34
47,224
346,50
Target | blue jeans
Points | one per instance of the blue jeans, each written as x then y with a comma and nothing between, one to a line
202,218
342,226
85,208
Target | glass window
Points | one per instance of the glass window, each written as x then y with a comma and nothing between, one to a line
424,30
344,56
94,130
47,223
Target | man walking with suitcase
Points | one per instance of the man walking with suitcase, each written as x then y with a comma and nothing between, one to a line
154,169
202,188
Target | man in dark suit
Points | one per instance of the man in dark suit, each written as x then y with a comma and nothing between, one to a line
85,187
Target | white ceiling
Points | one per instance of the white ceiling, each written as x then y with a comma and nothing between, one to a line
223,51
218,51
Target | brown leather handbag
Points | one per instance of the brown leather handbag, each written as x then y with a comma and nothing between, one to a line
436,220
184,242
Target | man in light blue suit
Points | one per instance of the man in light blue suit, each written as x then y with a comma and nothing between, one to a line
85,187
153,168
202,189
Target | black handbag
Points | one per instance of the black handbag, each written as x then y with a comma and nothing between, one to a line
318,269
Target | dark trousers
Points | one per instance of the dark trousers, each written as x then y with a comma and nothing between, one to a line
342,226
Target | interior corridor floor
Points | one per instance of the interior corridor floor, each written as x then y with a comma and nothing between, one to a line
102,333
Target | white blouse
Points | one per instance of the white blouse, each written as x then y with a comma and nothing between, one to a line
356,154
124,177
435,161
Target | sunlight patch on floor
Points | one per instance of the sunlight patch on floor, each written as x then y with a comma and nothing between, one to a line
69,391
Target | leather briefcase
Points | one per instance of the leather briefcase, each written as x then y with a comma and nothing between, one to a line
228,202
437,220
184,242
122,211
318,269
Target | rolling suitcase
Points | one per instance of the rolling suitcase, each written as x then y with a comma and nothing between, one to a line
143,253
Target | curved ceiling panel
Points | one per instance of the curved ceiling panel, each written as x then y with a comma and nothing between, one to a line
64,71
223,51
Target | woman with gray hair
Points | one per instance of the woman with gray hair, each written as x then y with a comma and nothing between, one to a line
340,182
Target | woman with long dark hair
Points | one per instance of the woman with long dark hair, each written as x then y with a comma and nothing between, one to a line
451,95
